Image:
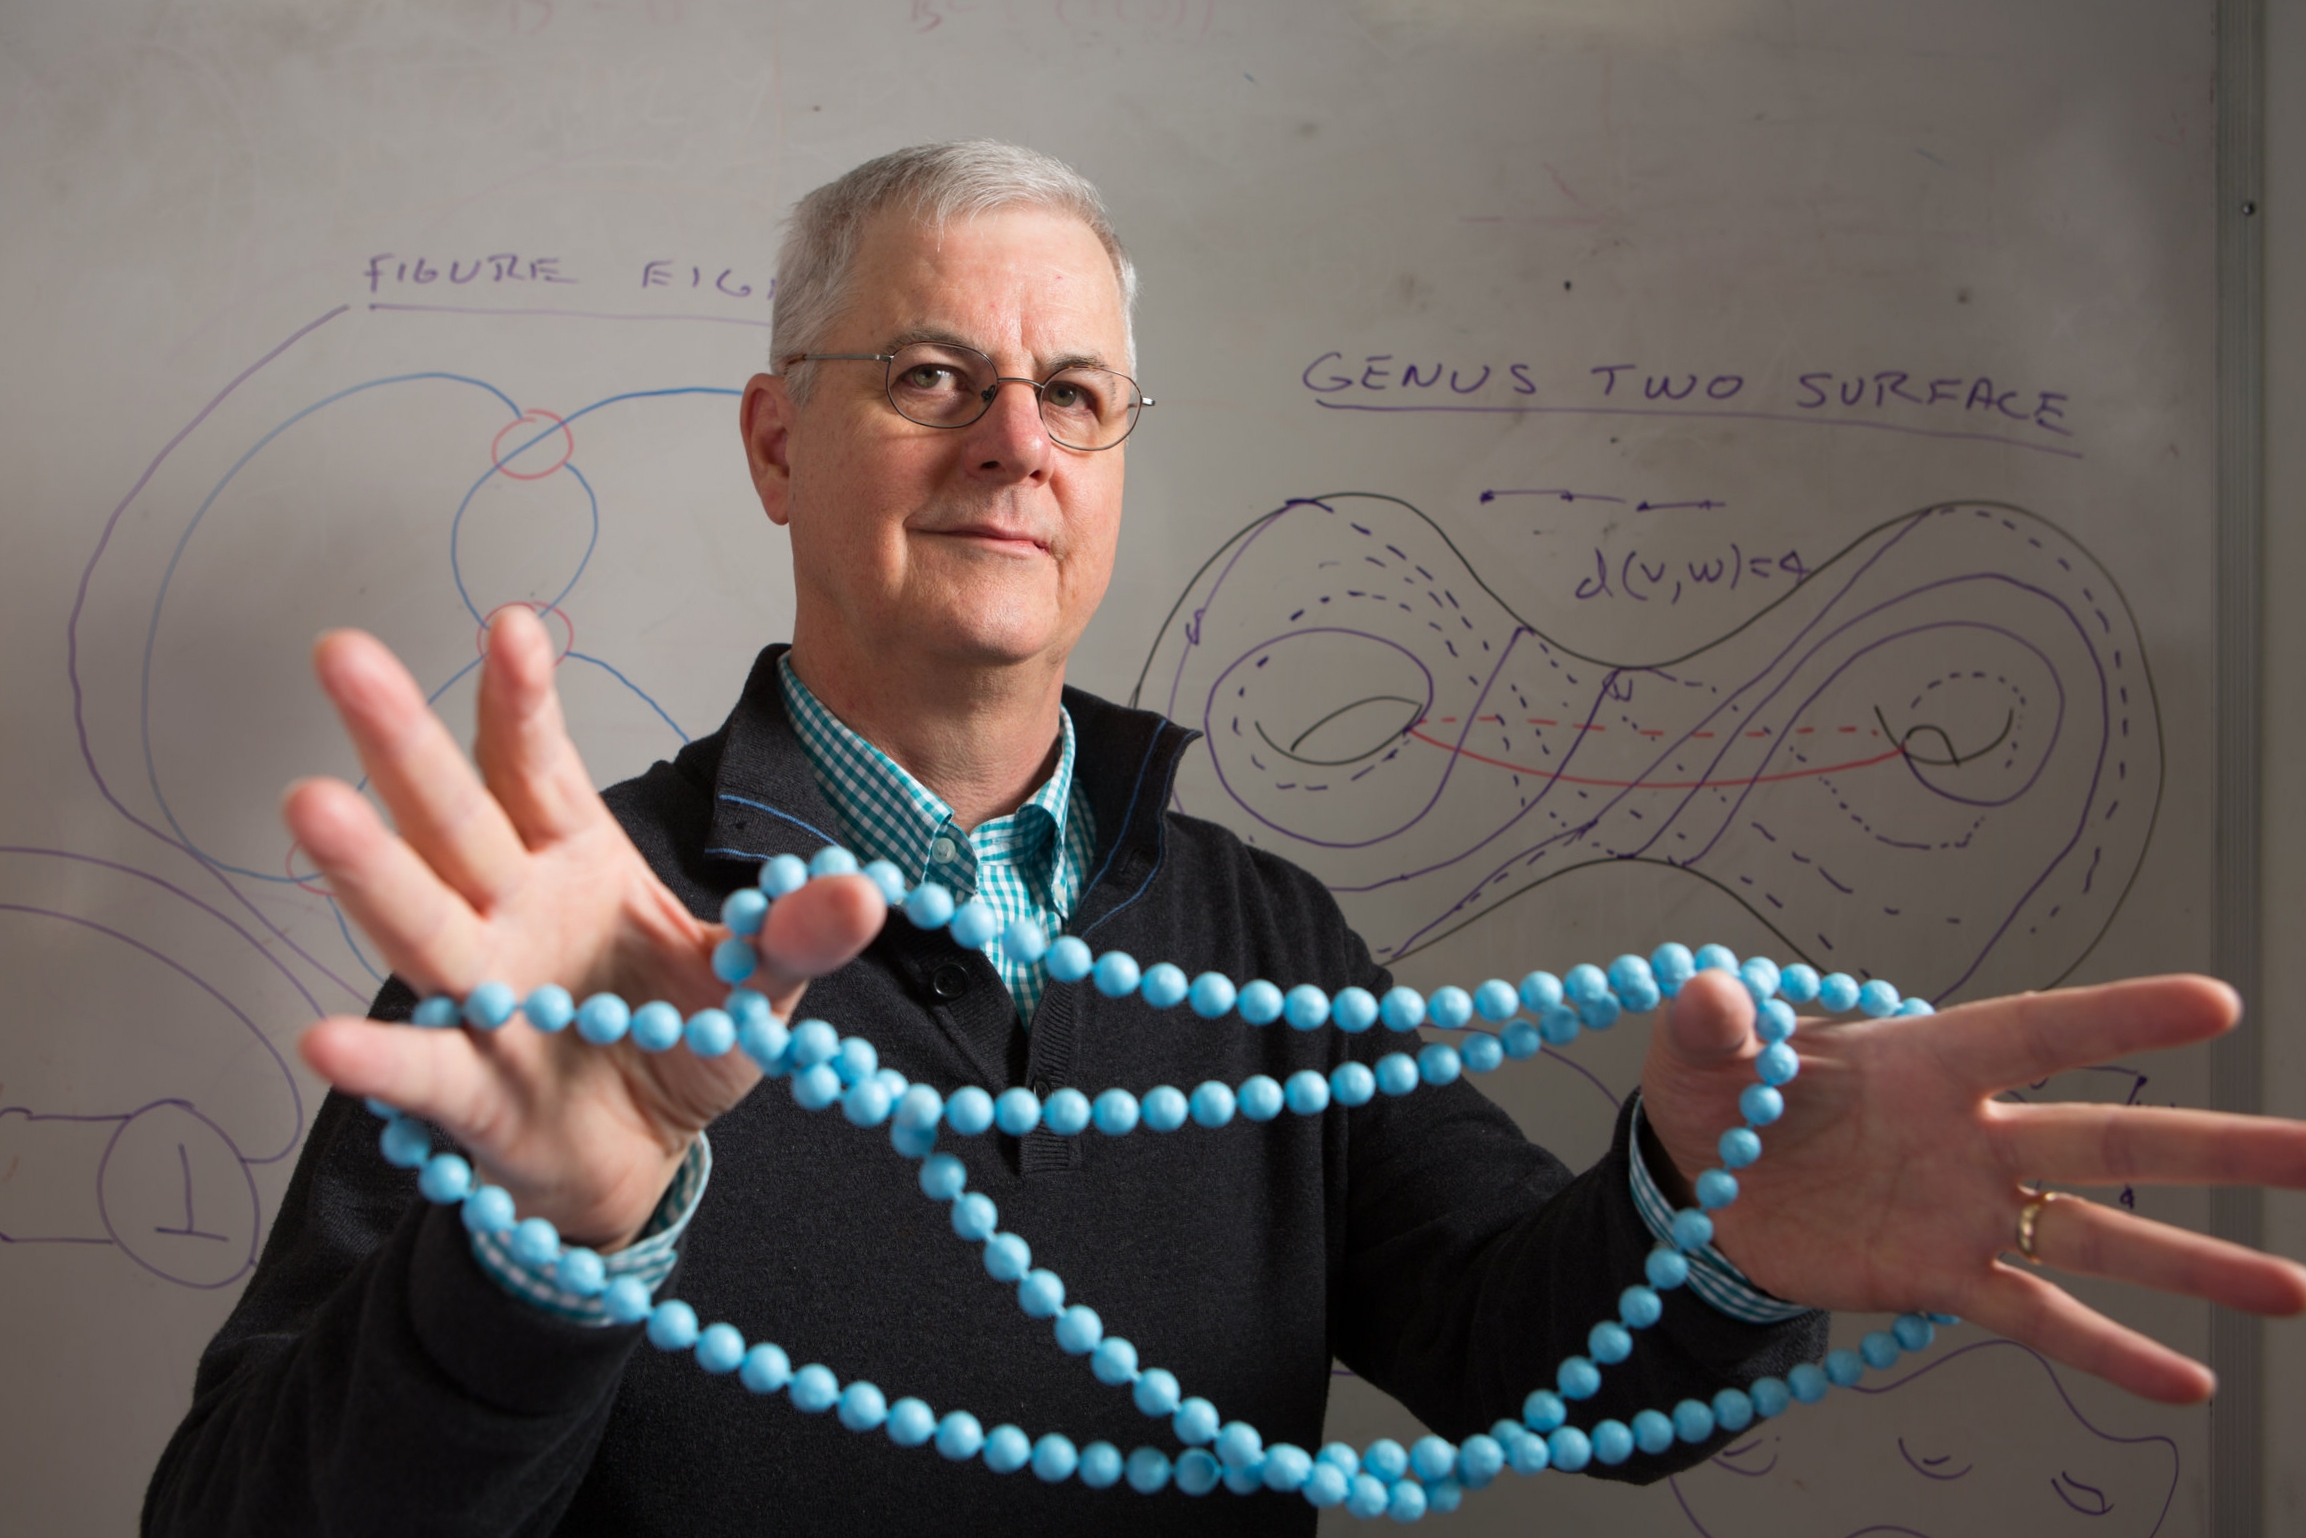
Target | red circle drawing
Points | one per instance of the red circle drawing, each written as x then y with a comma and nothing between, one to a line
546,612
531,426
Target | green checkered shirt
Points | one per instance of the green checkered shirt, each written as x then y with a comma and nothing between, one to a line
1029,864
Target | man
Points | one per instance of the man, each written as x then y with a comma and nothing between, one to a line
943,443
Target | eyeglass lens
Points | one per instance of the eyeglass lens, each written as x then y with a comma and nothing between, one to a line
941,386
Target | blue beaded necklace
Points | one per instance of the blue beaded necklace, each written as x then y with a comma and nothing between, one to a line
824,1068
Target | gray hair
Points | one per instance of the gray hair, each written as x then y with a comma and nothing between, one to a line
936,183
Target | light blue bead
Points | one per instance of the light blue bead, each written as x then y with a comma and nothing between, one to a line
1543,1410
1403,1009
1739,1147
959,1436
1069,959
1238,1444
1879,1348
1558,1025
1716,1189
1584,984
603,1018
656,1026
1211,996
1807,1383
672,1326
1640,998
1326,1485
710,1033
1041,1294
1163,986
734,960
1798,984
380,1108
943,1178
1198,1471
1352,1084
1915,1006
783,874
745,1006
814,1042
1405,1502
1693,1420
1438,1063
1444,1496
720,1348
912,1142
1246,1481
1761,1105
1526,1453
1913,1332
974,924
1653,1431
1630,975
866,1104
1777,1065
1577,1378
1838,993
1672,965
1367,1496
445,1178
1432,1458
1307,1092
1496,1001
1017,1111
1078,1330
1947,1320
918,1106
970,1111
1449,1008
1305,1007
1716,958
975,1217
888,878
1771,1397
1260,1003
930,906
1067,1112
1115,1113
1877,1000
1481,1053
832,860
489,1006
1569,1450
1480,1460
1342,1454
535,1243
1007,1258
1539,990
407,1143
1640,1307
1844,1367
1774,1022
1761,977
1100,1465
1116,976
863,1407
1148,1470
814,1389
581,1271
1666,1269
436,1013
626,1301
1397,1073
911,1422
1259,1098
1521,1040
1165,1108
1601,1014
1113,1361
1195,1422
1054,1459
1155,1392
1354,1009
1692,1229
1609,1342
1287,1468
1733,1410
1007,1449
1612,1442
1213,1104
765,1369
1386,1459
815,1088
487,1211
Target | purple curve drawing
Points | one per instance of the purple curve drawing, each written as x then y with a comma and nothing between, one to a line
1938,756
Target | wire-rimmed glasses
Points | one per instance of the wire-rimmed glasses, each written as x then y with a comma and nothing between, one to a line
938,384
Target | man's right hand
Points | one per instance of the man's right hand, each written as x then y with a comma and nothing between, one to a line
519,874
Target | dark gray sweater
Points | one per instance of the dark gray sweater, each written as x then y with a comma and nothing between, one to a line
373,1379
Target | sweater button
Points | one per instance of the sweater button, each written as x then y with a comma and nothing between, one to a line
949,982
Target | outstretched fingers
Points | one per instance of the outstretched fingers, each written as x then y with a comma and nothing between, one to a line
2149,1145
523,746
2036,1313
428,933
2075,1235
815,930
435,1075
1999,1044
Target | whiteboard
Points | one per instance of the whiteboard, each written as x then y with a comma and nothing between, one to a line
1623,472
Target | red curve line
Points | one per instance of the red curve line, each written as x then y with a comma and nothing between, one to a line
1572,779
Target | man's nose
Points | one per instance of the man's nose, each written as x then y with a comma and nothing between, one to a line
1010,441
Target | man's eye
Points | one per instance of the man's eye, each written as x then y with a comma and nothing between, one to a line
927,376
1066,396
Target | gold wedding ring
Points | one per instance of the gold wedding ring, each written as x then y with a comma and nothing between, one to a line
2029,1221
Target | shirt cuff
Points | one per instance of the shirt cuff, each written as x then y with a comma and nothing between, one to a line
1712,1276
650,1257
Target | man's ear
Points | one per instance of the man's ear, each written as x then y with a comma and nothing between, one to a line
766,418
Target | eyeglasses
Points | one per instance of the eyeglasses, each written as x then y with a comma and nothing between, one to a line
938,385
